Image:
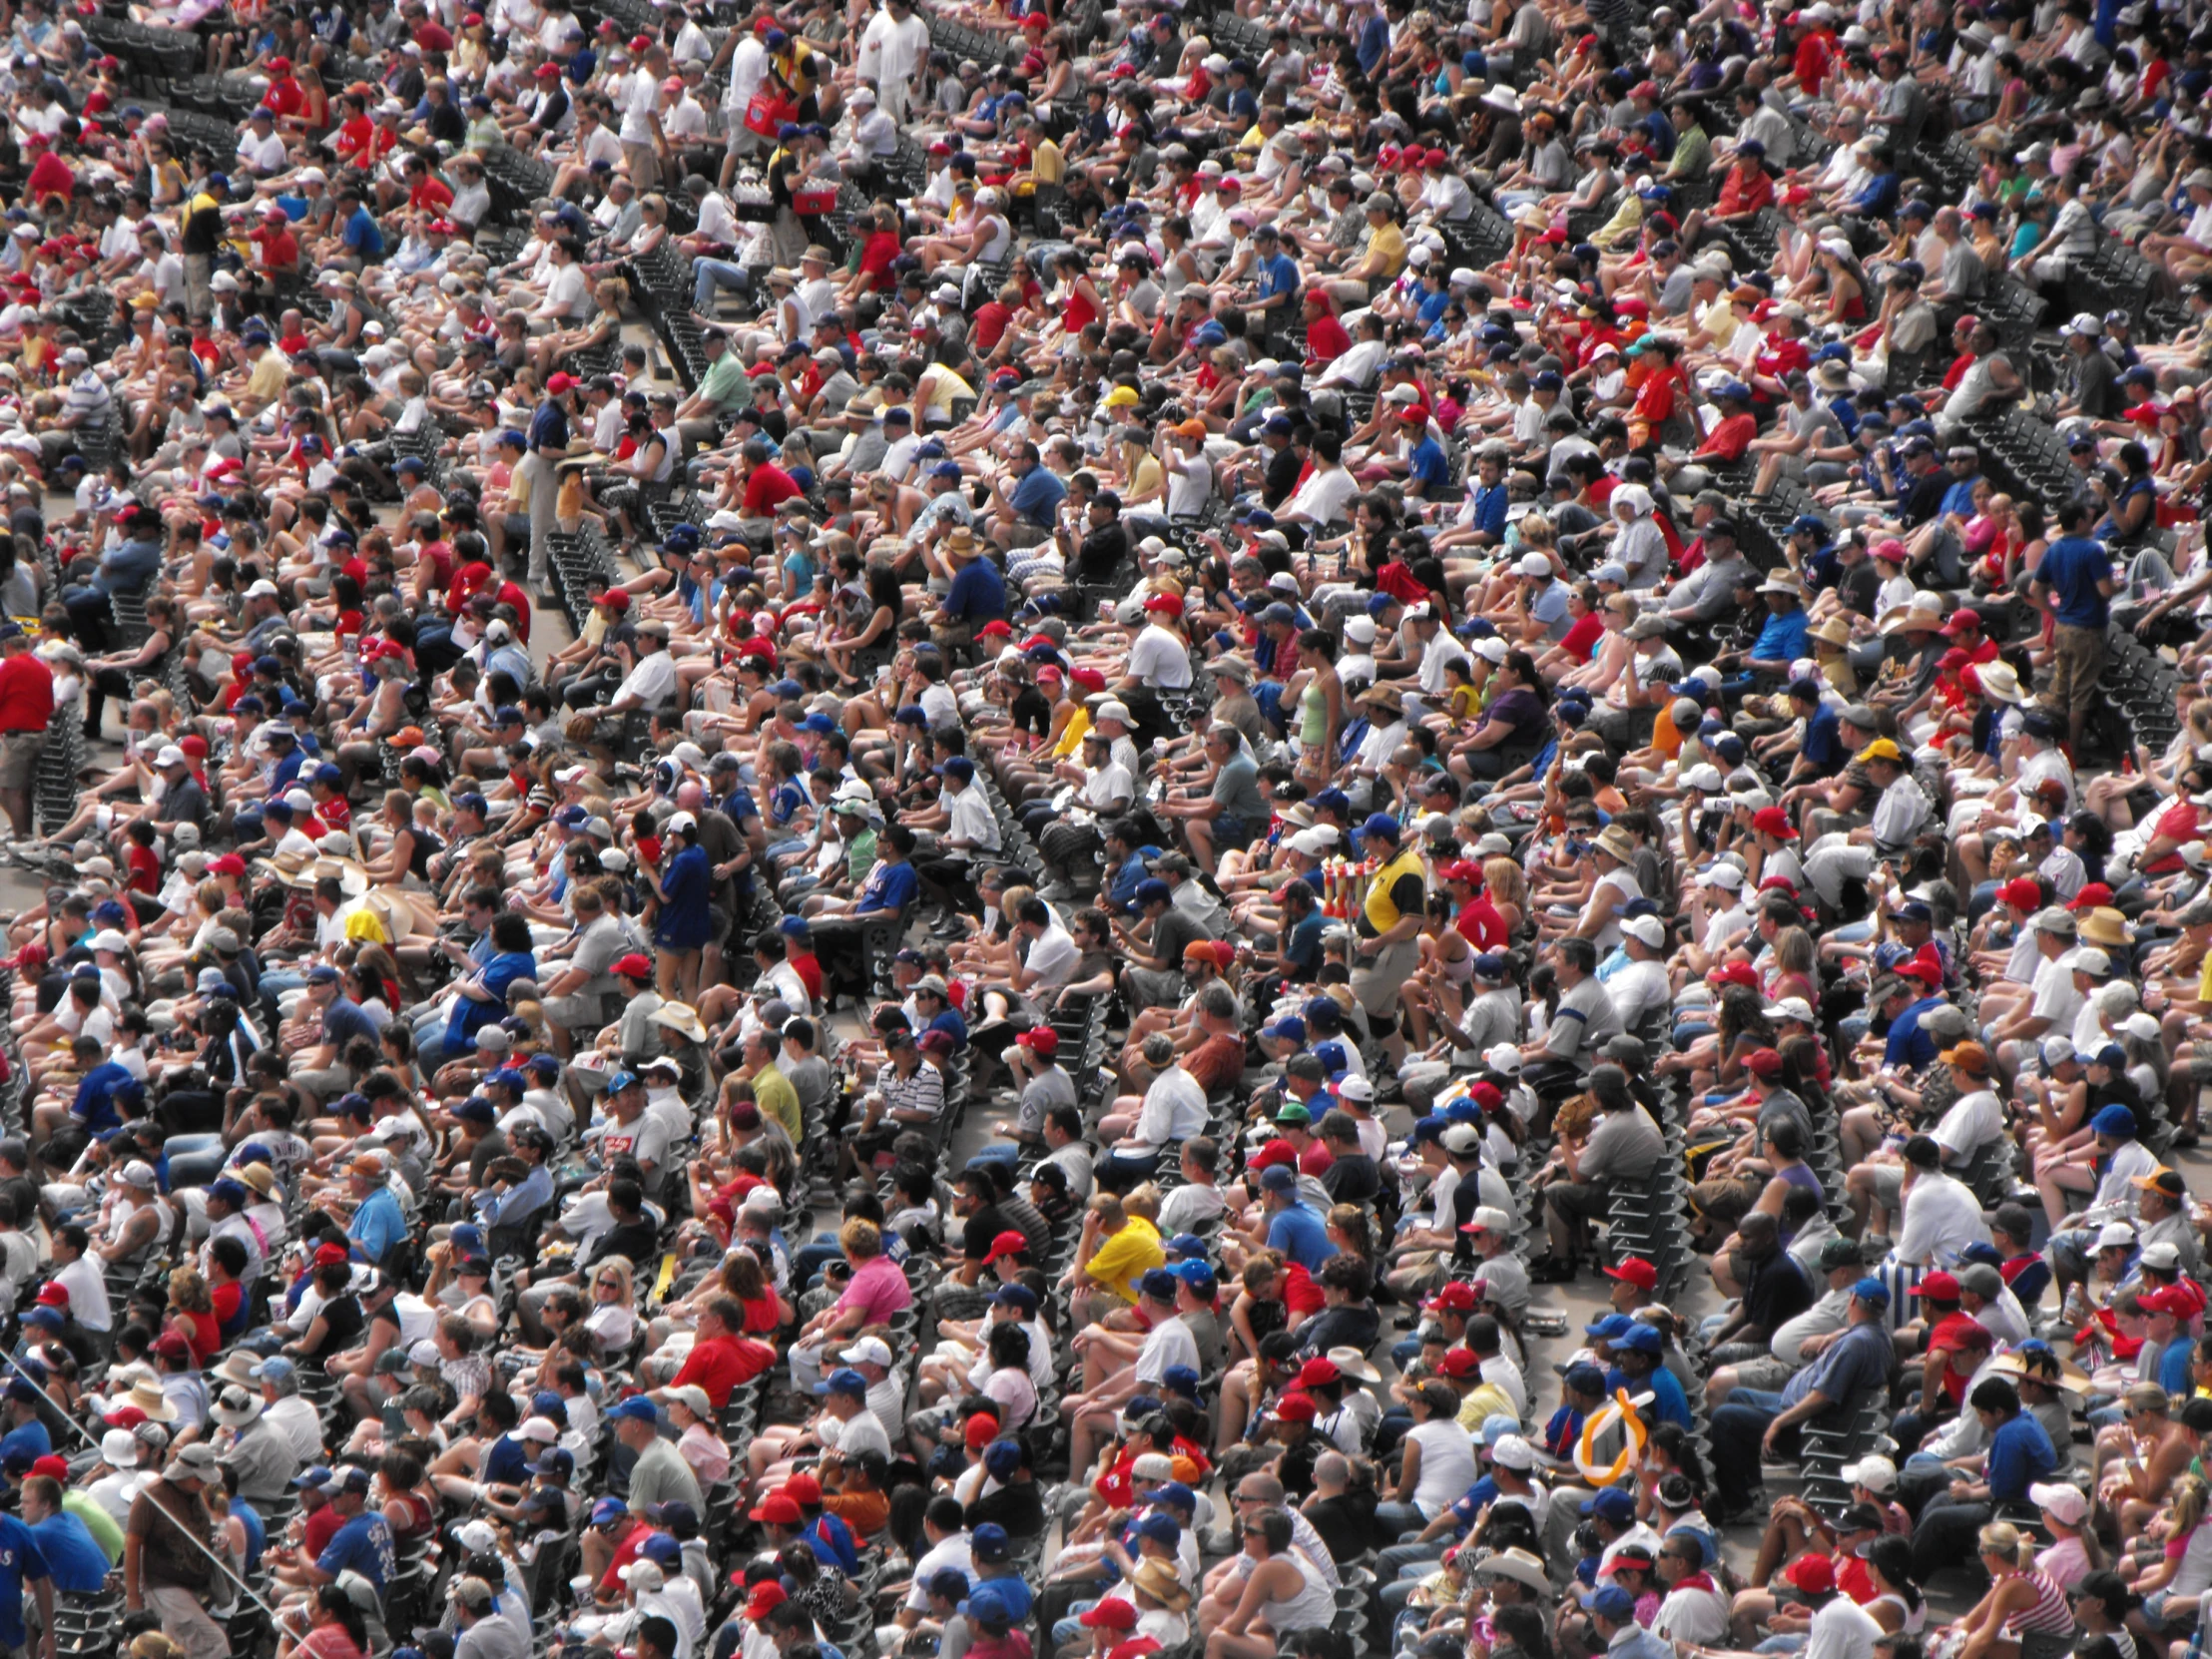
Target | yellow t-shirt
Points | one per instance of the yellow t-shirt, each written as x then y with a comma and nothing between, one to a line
1071,735
1487,1401
1390,241
267,383
1048,165
1127,1256
945,386
1146,475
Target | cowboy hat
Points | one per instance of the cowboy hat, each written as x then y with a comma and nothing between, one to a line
238,1366
353,878
236,1406
1350,1361
1614,841
1834,631
1519,1565
2103,927
1158,1580
2000,681
681,1016
146,1396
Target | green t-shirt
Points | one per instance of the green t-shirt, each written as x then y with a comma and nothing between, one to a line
102,1525
774,1094
724,384
859,857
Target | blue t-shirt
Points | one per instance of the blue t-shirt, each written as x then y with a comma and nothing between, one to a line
1298,1234
364,236
1782,640
1823,748
1428,466
74,1561
1038,497
1277,276
1908,1045
376,1225
1490,503
507,1463
2021,1454
345,1021
20,1559
684,923
94,1106
362,1544
890,888
832,1542
31,1440
469,1015
2073,567
978,593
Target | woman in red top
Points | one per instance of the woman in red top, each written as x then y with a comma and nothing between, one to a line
191,1315
1326,339
333,1630
1081,304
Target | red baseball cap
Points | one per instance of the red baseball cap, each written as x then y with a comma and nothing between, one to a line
803,1489
328,1255
1939,1287
982,1430
1459,1362
1965,620
229,865
55,1468
123,1417
169,1345
1040,1039
1089,679
51,1295
1812,1573
1275,1152
2169,1298
1167,604
777,1511
615,599
766,1595
561,381
2092,896
1296,1408
1926,969
1008,1242
1773,820
634,967
1634,1270
2023,893
1456,1297
1319,1371
1762,1062
1734,974
1114,1613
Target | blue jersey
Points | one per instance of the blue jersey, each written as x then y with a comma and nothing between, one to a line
363,1546
20,1559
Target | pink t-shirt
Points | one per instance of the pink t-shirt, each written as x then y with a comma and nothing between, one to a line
879,1288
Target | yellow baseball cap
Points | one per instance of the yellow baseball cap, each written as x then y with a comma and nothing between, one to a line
1882,749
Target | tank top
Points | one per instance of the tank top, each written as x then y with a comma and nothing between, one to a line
1312,1608
1312,711
1914,1617
2049,1616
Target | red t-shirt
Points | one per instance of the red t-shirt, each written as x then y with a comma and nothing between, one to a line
766,489
508,594
283,97
26,695
145,865
226,1300
808,970
877,256
50,176
719,1363
321,1527
2177,822
1581,641
1731,437
430,196
1326,339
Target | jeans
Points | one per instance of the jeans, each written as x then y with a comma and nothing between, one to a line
274,984
709,274
1739,1429
192,1159
1946,1535
808,1260
1393,1521
1401,1567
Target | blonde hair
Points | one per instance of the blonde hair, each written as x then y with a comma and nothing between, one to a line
1142,1201
1536,530
2007,1543
1505,882
2185,1505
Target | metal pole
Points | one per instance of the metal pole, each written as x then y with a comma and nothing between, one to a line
85,1434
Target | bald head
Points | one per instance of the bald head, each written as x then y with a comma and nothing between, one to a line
691,796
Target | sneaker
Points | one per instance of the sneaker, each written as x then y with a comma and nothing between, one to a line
1550,1270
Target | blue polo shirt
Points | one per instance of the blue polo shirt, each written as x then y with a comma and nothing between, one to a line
2020,1454
2073,567
1782,639
376,1225
1908,1044
76,1564
1038,497
1428,466
978,593
1299,1234
20,1559
362,235
1823,746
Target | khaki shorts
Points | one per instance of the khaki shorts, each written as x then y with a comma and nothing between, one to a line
2077,661
19,753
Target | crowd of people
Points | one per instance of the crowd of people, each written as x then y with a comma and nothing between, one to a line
915,802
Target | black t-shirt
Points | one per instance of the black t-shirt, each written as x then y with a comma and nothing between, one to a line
1856,586
1171,935
1352,1179
634,1240
342,1321
1031,711
1019,1510
1284,467
1345,1523
981,1228
1102,552
1777,1293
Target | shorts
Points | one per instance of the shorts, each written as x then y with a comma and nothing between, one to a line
1767,1374
579,1009
2077,661
19,753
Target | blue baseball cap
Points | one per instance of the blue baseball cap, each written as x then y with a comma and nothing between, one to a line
1290,1029
1610,1601
1163,1530
608,1509
661,1549
636,1409
1585,1379
843,1381
1639,1339
985,1604
1381,824
1158,1284
988,1543
1613,1504
1610,1327
1020,1297
1871,1290
2116,1121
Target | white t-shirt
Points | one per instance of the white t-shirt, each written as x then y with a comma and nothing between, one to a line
1054,957
1160,659
1447,1465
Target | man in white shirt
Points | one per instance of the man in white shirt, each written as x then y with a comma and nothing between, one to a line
893,49
1326,494
1641,988
651,683
261,150
1942,1215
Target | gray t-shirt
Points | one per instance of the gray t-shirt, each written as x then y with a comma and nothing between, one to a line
1237,787
1584,1020
1623,1145
596,952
